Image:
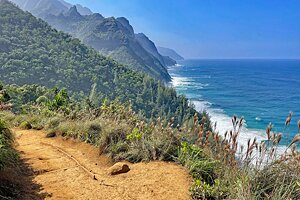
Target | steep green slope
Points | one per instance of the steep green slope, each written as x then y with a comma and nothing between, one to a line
113,37
33,53
149,46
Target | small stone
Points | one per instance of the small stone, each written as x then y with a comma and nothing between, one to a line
119,168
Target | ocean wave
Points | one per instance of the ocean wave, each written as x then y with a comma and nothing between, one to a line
203,76
224,123
187,83
217,115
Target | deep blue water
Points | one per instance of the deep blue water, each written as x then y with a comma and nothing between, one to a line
262,91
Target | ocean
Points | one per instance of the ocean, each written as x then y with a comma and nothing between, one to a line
262,91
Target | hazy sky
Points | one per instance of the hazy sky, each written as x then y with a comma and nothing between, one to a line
213,28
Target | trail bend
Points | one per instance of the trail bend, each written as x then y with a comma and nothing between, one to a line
67,169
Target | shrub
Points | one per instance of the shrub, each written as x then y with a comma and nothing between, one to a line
7,154
7,116
38,122
93,132
200,165
112,138
53,123
25,125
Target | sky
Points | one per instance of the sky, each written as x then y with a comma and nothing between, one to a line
213,28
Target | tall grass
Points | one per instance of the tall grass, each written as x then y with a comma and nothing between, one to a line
257,171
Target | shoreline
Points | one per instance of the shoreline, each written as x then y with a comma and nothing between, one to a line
217,114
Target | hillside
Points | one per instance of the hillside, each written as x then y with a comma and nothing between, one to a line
170,53
149,46
34,53
113,37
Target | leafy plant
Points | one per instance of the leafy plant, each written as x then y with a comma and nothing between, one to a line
25,125
134,135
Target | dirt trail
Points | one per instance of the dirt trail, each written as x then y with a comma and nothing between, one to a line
64,169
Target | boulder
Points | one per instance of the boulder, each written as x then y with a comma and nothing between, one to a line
118,168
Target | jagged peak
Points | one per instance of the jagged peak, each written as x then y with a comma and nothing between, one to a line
73,12
83,10
123,19
125,22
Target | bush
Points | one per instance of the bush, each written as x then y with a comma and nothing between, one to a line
38,122
7,116
200,165
112,138
53,123
25,125
7,154
93,132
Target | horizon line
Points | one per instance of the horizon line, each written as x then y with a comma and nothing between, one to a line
250,58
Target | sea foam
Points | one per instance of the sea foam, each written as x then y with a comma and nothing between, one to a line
217,115
223,123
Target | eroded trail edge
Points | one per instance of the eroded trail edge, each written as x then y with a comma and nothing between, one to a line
67,169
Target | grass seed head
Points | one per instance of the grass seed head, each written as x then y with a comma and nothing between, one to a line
295,140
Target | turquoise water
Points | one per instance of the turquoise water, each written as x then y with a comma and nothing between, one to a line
262,91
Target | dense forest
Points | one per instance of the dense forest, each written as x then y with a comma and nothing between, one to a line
31,52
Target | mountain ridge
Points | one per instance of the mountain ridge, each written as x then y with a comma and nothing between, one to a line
33,53
113,37
170,53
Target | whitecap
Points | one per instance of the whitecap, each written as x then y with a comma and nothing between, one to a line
224,123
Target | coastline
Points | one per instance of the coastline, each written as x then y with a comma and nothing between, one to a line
217,115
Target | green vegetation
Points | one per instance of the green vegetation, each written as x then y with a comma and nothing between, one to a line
127,115
7,154
34,53
113,37
114,127
25,125
222,170
219,168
